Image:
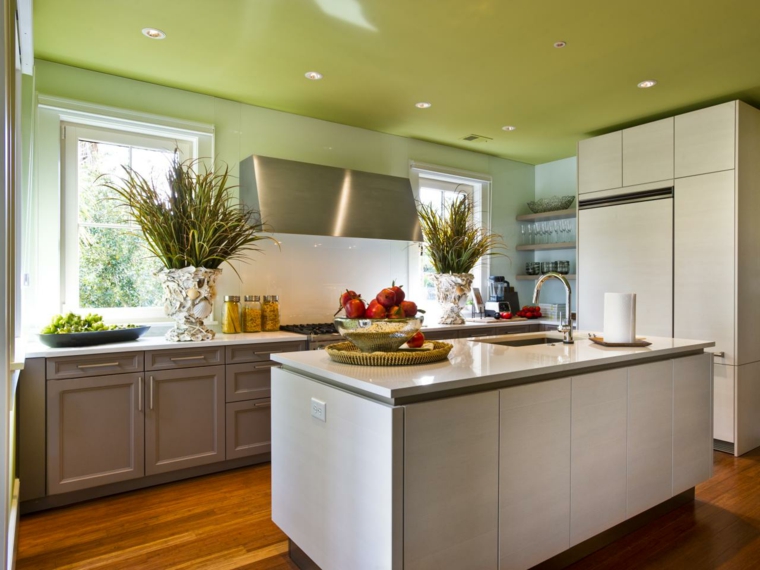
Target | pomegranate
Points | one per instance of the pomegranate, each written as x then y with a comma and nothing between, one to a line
375,312
347,296
416,341
409,308
400,295
354,309
396,312
386,297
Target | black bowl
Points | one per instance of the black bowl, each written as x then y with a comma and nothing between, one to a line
72,340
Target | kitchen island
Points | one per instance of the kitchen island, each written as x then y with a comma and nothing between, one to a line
503,457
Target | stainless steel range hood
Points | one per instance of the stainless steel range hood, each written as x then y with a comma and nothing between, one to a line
311,199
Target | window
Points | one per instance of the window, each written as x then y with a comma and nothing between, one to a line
438,186
107,267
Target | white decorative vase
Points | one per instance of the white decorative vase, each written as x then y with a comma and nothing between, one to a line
452,290
189,295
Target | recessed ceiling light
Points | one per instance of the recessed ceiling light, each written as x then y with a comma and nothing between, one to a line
153,33
647,84
423,105
560,44
313,75
508,128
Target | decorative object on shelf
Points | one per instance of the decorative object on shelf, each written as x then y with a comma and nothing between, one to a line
454,245
348,353
551,204
378,335
563,267
192,228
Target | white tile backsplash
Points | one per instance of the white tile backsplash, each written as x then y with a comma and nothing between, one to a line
310,272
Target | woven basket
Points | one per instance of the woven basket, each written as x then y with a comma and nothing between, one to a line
348,353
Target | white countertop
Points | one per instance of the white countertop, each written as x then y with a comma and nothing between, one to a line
33,348
473,363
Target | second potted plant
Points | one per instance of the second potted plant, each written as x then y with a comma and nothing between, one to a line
192,229
454,244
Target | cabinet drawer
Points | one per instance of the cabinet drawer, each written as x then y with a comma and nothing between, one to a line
67,367
440,335
249,430
249,381
237,354
480,332
184,358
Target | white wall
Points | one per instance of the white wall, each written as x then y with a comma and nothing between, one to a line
308,272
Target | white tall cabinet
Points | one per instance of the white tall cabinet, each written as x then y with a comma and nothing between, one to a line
711,159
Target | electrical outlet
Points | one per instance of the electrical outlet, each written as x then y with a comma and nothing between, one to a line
319,409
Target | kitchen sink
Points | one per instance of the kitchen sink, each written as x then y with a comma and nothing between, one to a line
528,341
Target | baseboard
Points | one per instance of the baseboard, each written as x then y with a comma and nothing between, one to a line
724,446
65,499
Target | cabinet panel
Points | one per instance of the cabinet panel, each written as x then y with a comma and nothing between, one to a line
93,365
184,358
692,421
249,381
184,420
534,473
600,163
650,435
704,245
440,335
747,406
238,353
705,140
723,402
648,153
94,431
249,429
598,453
627,248
452,444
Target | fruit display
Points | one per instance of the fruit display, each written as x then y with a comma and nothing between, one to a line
72,323
416,341
389,303
529,312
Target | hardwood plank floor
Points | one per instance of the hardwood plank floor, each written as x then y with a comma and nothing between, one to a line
222,522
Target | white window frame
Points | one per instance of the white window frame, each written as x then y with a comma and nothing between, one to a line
447,178
72,134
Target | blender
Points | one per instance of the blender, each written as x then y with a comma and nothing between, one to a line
498,288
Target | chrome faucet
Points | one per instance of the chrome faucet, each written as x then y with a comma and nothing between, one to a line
564,328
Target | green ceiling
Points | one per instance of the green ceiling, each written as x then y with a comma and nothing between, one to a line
481,63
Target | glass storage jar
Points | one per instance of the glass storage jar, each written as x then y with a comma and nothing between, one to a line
231,315
270,313
252,314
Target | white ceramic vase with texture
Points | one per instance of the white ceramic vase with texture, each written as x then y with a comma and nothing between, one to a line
452,290
189,295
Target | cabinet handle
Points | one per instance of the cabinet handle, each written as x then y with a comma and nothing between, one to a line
103,365
178,358
151,392
720,354
139,393
262,405
267,365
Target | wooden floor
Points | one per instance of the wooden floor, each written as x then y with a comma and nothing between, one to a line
222,522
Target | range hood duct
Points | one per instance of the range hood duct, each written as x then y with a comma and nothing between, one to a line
311,199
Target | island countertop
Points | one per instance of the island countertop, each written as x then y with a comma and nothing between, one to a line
473,365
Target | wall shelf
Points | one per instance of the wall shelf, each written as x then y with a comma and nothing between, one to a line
548,216
570,277
546,246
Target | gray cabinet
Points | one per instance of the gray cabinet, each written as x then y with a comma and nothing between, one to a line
249,430
600,163
184,419
94,431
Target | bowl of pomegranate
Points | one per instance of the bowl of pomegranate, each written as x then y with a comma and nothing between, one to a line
381,325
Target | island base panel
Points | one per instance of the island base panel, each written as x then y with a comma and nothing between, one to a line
570,556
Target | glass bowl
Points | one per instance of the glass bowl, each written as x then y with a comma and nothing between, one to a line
378,335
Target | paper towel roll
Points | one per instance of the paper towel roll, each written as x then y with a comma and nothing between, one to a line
620,317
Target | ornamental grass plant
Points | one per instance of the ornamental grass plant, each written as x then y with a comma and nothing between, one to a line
197,222
453,241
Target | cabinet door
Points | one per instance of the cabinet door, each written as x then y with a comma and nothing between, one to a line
184,420
249,381
94,431
249,430
705,140
692,421
723,403
600,163
534,473
648,153
650,435
704,260
598,453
